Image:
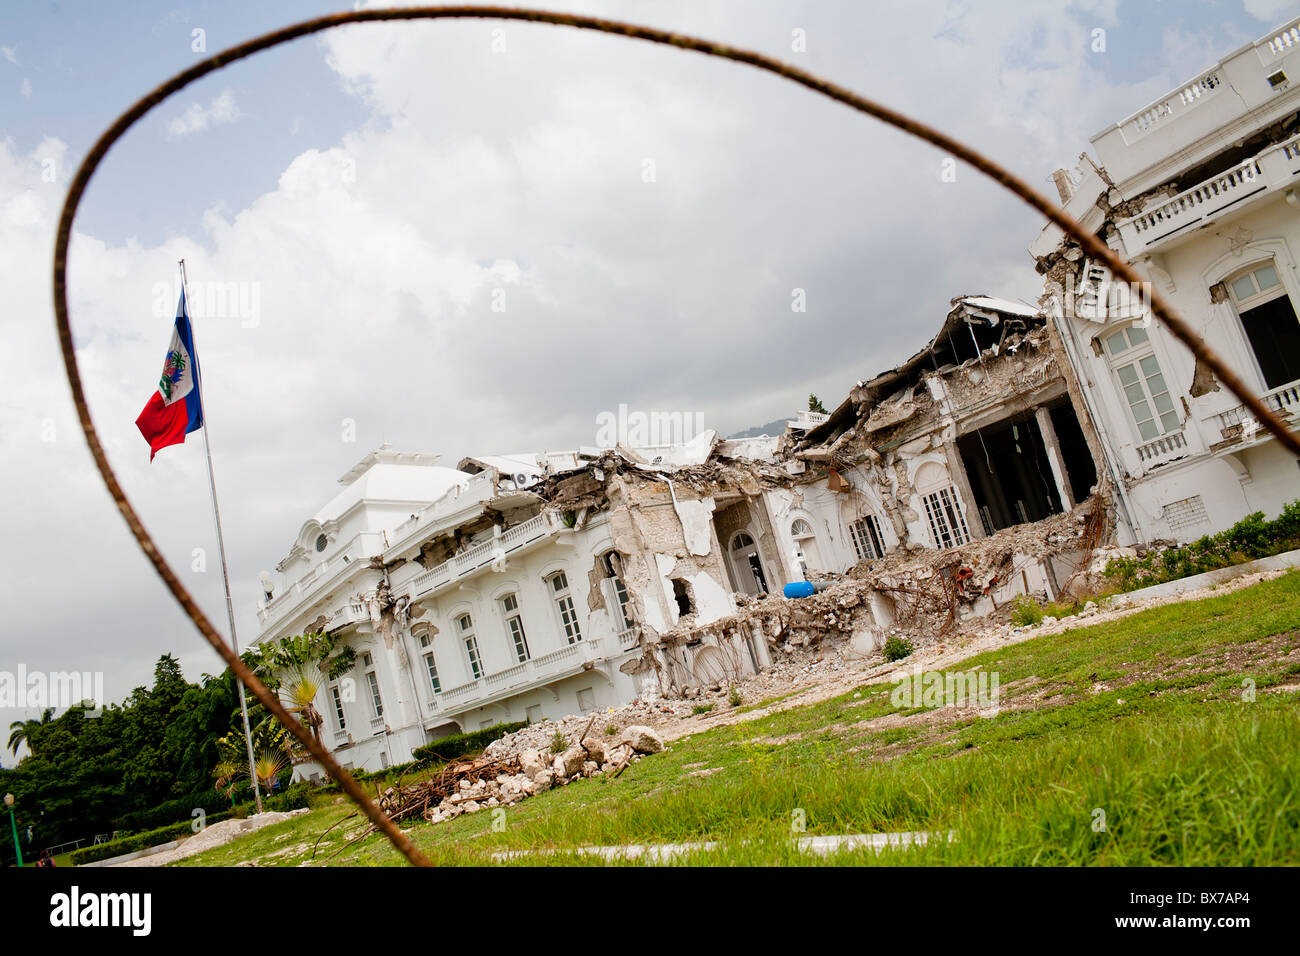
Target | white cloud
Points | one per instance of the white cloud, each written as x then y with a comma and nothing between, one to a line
198,117
10,54
1272,12
373,262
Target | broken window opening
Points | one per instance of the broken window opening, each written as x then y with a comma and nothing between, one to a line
746,564
682,595
868,542
1009,473
1269,321
807,551
613,565
1080,469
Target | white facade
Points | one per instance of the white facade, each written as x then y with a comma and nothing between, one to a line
468,604
1201,192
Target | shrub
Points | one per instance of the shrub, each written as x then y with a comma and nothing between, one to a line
172,811
1026,612
1250,538
896,648
701,709
733,696
458,745
611,730
559,743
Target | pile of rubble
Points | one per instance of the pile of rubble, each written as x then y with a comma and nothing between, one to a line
507,773
916,593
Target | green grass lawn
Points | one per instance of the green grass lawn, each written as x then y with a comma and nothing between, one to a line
1143,723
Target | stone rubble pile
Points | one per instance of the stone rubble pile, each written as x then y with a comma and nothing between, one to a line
506,776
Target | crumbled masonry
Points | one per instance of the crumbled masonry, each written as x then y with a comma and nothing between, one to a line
499,779
933,495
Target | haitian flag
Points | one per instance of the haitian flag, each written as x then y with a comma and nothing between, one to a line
173,411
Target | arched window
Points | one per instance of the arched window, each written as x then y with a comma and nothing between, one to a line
465,627
1141,382
612,563
807,552
1269,321
746,565
559,585
515,626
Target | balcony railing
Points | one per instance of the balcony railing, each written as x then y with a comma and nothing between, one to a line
537,671
1285,400
627,639
1174,104
1271,169
1252,85
1162,449
481,555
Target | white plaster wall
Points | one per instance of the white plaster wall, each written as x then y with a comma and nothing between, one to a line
1183,274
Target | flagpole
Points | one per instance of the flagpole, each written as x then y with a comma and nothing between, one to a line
221,544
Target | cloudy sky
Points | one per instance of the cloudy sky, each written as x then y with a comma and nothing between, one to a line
642,214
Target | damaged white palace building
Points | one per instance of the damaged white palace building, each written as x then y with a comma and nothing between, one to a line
1200,191
540,585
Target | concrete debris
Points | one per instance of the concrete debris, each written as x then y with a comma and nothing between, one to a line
643,740
218,834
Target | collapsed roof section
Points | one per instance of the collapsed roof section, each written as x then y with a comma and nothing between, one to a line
977,326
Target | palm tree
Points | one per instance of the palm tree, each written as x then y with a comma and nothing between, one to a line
24,731
267,764
298,669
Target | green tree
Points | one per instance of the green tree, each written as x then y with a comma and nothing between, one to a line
25,731
298,669
815,405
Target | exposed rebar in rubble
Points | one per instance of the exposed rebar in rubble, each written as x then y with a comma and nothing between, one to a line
1181,329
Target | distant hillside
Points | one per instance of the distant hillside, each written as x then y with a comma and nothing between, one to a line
771,428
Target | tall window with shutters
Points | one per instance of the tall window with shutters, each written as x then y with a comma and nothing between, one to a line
465,625
515,626
1141,382
559,585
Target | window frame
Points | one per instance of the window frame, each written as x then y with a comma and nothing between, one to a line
518,636
468,635
1132,357
875,539
371,671
621,593
430,663
1259,297
566,608
941,505
336,703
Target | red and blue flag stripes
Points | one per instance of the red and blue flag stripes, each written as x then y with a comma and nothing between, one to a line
174,409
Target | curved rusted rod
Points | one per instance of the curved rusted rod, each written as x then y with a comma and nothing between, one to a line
908,125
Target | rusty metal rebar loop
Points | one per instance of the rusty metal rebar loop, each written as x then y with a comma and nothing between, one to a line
1095,247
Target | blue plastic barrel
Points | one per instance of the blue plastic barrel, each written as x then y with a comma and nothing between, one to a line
798,589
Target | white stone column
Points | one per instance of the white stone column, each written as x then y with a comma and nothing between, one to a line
1054,457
